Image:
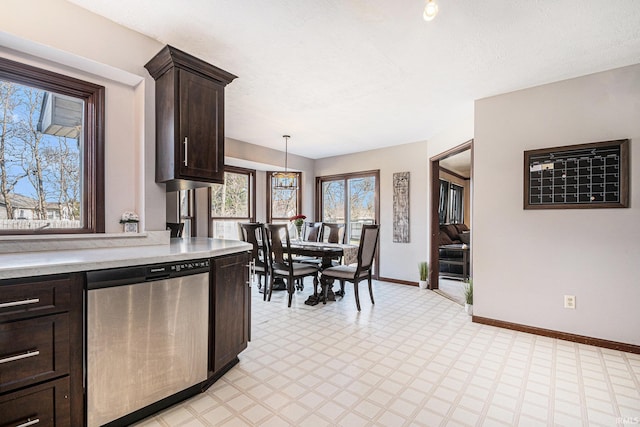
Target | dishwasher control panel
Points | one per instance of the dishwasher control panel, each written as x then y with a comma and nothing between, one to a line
177,269
145,273
189,266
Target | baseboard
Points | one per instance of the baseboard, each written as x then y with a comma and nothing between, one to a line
401,282
598,342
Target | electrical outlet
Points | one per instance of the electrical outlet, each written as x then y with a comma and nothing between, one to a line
570,301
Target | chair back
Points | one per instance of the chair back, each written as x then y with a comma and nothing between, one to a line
242,234
175,228
312,231
333,232
254,233
279,252
368,246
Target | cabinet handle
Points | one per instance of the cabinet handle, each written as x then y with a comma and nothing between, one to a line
186,145
16,303
20,356
29,422
252,271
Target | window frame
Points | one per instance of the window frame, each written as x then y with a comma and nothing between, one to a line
252,198
269,180
443,204
190,214
346,177
449,206
93,95
456,204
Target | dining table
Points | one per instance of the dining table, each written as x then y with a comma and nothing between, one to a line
326,252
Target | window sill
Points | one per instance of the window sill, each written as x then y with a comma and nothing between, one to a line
37,243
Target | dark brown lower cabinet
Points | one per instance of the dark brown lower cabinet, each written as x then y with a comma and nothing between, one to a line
41,351
41,341
230,310
34,350
46,405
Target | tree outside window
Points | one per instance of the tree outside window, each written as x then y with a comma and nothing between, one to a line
350,199
232,202
49,161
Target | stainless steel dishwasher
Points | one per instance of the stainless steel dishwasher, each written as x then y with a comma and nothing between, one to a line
147,336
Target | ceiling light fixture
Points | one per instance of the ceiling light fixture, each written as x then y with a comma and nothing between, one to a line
430,10
285,180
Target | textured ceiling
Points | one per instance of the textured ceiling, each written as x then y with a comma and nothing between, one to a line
342,76
459,163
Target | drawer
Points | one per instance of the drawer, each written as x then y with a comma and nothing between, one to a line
44,405
26,298
33,350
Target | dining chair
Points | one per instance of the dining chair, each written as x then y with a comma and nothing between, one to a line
312,231
281,265
355,273
254,233
175,228
241,232
333,232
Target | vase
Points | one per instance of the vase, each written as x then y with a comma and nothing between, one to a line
299,232
423,284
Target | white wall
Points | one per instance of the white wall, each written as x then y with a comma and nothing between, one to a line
526,260
95,49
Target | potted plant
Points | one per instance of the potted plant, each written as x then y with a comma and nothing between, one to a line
468,297
423,269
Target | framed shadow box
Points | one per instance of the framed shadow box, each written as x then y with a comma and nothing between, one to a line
594,175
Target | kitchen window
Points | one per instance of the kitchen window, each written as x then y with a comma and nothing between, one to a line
51,152
232,202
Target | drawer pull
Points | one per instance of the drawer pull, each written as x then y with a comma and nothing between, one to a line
29,423
17,303
186,146
20,356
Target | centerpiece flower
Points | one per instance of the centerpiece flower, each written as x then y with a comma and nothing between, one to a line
298,220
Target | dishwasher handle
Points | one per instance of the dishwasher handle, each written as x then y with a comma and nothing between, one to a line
115,277
157,272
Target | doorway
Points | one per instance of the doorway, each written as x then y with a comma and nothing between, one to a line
457,161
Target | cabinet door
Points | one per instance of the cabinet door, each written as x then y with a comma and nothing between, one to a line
28,297
230,309
42,405
201,128
33,350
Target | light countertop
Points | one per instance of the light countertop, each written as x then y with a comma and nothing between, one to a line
26,264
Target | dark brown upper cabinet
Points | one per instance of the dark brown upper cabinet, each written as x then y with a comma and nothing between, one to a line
189,119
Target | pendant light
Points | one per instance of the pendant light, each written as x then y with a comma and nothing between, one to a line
285,180
430,10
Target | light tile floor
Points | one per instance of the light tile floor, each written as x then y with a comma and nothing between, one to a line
413,359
